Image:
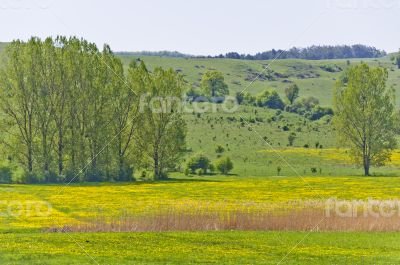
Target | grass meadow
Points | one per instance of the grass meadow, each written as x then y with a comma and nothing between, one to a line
229,247
27,238
82,223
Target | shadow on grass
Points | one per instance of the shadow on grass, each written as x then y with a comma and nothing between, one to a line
127,183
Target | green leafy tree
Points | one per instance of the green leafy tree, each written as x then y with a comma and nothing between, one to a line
219,149
309,102
224,165
18,100
198,161
239,97
365,115
270,99
162,132
292,136
292,93
124,112
213,84
62,101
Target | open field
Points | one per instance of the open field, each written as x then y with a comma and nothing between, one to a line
201,248
83,203
23,239
314,170
257,143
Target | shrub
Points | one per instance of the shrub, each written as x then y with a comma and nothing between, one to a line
309,102
51,177
30,178
309,108
143,175
224,165
211,168
270,99
318,112
248,98
125,173
5,175
291,138
187,172
94,175
200,171
239,97
198,161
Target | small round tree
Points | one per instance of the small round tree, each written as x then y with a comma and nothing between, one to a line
292,93
224,165
198,161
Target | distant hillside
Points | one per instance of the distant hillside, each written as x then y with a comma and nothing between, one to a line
3,45
313,53
173,54
314,77
309,53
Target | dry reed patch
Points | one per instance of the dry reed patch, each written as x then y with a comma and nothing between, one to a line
291,220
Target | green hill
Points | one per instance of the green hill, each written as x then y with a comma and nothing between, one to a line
247,133
314,77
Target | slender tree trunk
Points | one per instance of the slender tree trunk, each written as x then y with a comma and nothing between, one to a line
30,159
366,165
60,152
366,169
73,148
30,145
156,166
45,153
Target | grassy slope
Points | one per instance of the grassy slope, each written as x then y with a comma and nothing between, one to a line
242,143
236,71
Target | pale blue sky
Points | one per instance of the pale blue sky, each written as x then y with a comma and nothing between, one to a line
207,26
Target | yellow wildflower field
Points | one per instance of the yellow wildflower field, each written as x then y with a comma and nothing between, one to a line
64,205
340,155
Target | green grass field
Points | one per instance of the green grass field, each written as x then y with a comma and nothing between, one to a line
256,142
82,202
246,142
22,238
201,248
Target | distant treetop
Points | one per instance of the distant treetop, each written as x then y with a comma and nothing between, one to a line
310,53
159,53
